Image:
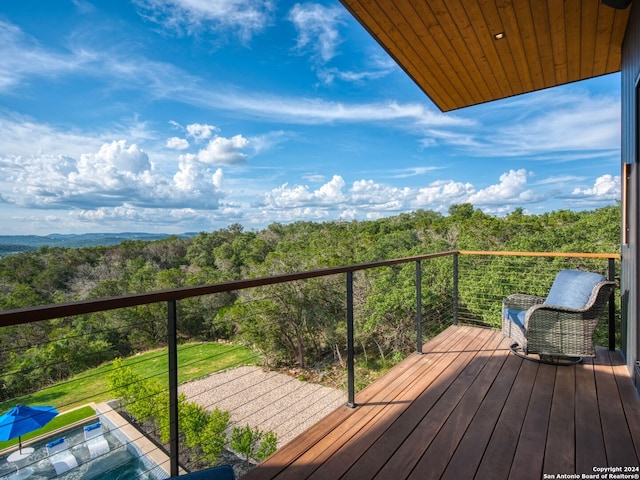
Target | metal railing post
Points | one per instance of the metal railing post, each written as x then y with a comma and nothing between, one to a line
351,402
612,307
418,306
172,340
455,289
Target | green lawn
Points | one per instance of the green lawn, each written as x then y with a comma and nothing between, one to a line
195,360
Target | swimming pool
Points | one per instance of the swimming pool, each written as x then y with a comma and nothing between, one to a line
123,462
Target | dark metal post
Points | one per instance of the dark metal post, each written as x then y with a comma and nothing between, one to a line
351,402
455,288
418,307
612,307
172,340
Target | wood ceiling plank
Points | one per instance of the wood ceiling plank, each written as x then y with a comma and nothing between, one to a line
444,54
509,20
458,55
447,46
615,51
529,41
487,42
588,29
558,39
431,57
378,25
463,23
572,18
540,16
603,36
502,46
446,27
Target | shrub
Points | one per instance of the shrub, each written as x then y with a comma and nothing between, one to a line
253,443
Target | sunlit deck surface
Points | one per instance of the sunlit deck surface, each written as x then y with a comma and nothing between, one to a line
468,408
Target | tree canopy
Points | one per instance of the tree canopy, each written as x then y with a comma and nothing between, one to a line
296,323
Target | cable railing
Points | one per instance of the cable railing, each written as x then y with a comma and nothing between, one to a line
488,277
371,311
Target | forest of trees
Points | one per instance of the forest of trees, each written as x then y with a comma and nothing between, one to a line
294,323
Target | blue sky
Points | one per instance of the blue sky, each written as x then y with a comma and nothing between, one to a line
189,115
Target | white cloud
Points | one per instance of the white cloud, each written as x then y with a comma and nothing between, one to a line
299,110
117,174
267,141
23,57
176,143
369,194
511,189
217,179
328,75
579,123
191,176
246,18
317,28
164,220
377,65
113,158
365,194
314,177
22,136
294,214
331,192
558,125
286,197
374,199
560,180
201,132
348,214
414,171
224,151
443,192
606,187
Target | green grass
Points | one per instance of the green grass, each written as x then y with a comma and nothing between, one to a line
195,360
59,421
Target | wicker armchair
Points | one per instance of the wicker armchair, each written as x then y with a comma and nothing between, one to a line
562,324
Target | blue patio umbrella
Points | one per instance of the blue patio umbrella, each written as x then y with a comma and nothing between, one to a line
23,419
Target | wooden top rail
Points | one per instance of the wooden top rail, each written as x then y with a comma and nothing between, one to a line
615,256
48,312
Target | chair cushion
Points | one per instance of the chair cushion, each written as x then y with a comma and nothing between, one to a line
572,288
516,316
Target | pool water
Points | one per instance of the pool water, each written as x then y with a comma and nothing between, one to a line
121,463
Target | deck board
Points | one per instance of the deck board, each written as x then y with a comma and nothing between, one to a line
389,405
468,408
618,442
434,461
429,415
628,395
498,456
560,448
590,449
395,411
471,448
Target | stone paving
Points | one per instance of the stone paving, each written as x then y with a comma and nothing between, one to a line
267,400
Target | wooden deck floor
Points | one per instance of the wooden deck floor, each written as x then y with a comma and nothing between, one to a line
467,409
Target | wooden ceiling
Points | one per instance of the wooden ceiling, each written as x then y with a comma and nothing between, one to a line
448,47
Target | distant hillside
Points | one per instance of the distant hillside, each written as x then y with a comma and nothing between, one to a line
10,244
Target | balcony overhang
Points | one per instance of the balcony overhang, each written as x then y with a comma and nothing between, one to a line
463,53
